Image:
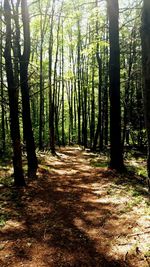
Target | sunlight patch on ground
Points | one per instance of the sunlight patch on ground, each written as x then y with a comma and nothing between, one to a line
82,167
79,223
62,156
86,174
13,225
99,188
87,229
60,189
88,198
57,163
84,161
144,221
65,171
84,186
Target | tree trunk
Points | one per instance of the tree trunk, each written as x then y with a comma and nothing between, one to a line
43,27
92,121
62,99
24,61
51,102
145,37
116,157
79,83
41,119
13,102
3,136
55,84
99,61
126,117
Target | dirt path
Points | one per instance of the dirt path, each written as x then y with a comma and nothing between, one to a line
73,215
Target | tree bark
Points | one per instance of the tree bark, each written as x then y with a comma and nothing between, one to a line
3,136
79,81
63,91
13,102
51,98
92,121
116,157
145,37
24,62
43,28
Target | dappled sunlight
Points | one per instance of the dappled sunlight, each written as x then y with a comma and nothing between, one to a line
75,215
144,220
65,171
82,167
13,225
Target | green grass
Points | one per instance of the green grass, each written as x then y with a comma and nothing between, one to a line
6,180
99,164
147,253
100,161
3,220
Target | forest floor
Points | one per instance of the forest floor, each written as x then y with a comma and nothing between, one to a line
78,213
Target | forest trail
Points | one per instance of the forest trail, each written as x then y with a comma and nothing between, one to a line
74,215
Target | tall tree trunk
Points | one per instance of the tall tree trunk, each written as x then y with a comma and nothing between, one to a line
106,90
51,99
116,157
79,82
84,86
41,119
43,27
62,76
92,121
145,37
99,61
126,119
74,70
3,136
55,86
24,61
13,101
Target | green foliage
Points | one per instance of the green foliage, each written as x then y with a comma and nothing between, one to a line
3,220
99,164
6,177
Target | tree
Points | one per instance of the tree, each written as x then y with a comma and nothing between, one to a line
79,80
116,157
99,61
145,37
51,95
13,101
63,87
26,114
3,135
43,28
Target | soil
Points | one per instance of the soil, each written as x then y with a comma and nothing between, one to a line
75,215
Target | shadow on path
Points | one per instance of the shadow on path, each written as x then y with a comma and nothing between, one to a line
64,219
